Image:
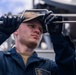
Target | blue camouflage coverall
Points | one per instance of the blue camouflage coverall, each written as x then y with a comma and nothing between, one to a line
11,63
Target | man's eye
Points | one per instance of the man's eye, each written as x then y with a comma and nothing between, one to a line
41,30
32,26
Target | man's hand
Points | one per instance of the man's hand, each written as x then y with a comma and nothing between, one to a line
53,28
10,23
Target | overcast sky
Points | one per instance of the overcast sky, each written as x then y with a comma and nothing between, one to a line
14,6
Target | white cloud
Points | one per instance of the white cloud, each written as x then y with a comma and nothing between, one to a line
14,6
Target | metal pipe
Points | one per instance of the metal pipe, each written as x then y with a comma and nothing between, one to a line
65,15
1,22
64,22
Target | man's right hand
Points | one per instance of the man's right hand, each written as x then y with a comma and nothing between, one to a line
10,23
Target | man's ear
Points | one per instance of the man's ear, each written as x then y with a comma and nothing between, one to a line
16,32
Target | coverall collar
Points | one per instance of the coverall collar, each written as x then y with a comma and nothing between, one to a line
17,57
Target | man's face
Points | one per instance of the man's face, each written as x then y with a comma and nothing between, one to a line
29,33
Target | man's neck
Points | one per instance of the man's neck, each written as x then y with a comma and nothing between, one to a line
24,50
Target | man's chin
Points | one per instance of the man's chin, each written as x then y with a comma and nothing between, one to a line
33,45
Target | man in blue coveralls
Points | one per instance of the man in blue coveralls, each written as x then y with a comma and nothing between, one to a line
28,30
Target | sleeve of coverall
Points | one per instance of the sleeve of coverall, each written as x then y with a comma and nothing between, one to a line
3,37
65,54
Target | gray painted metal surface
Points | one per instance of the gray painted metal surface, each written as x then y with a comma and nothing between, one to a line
46,54
68,5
